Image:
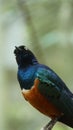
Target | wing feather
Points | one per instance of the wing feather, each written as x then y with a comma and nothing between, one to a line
53,88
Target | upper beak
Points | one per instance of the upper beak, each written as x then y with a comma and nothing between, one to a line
17,49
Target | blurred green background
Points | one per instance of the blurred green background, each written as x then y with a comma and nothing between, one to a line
45,27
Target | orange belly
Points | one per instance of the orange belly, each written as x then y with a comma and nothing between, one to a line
38,101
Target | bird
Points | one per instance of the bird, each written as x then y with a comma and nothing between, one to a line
43,88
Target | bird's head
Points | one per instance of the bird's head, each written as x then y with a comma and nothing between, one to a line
24,56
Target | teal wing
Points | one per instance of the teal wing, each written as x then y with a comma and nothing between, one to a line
54,89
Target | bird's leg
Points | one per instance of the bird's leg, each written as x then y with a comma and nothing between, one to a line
50,125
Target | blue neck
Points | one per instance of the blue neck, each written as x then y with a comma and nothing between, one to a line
26,76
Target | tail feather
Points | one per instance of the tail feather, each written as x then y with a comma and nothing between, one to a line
67,120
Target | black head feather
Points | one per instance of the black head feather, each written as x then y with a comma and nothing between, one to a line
24,56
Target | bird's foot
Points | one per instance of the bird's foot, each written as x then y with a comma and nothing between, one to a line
50,125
